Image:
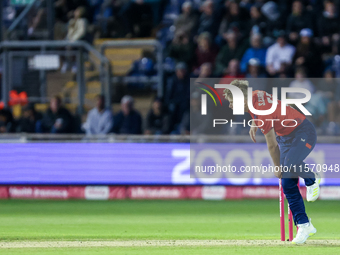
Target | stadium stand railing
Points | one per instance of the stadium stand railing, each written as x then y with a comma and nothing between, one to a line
122,54
114,138
93,75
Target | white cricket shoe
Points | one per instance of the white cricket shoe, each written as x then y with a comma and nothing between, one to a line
313,191
305,230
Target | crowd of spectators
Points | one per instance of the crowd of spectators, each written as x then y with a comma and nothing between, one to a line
298,39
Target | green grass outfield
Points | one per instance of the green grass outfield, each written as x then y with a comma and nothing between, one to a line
129,220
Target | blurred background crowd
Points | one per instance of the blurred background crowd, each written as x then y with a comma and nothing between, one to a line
201,39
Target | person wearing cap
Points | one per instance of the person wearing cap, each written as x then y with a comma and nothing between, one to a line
297,20
308,54
255,69
128,120
279,55
255,51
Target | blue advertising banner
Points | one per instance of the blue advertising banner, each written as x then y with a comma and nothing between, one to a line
149,164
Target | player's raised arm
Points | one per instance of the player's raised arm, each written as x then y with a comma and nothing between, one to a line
274,150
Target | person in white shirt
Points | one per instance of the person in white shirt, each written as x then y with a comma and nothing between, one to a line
99,119
77,27
279,55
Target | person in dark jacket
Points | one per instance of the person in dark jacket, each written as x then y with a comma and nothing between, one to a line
139,18
297,20
157,119
208,21
328,27
57,119
27,122
308,55
7,124
128,120
182,48
257,23
177,93
234,49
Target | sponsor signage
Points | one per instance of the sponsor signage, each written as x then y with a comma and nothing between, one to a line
96,164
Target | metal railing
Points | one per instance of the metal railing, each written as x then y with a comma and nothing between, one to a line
158,79
20,25
113,138
10,48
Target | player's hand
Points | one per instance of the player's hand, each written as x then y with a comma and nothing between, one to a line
252,133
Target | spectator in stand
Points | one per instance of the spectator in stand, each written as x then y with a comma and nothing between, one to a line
257,23
205,52
233,70
181,49
275,22
157,119
139,17
187,20
255,69
64,12
94,9
57,119
7,124
330,89
234,49
27,123
308,54
99,119
77,30
62,16
301,82
77,27
328,27
297,20
255,51
200,124
178,93
235,16
256,72
207,21
279,55
128,120
316,106
205,70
